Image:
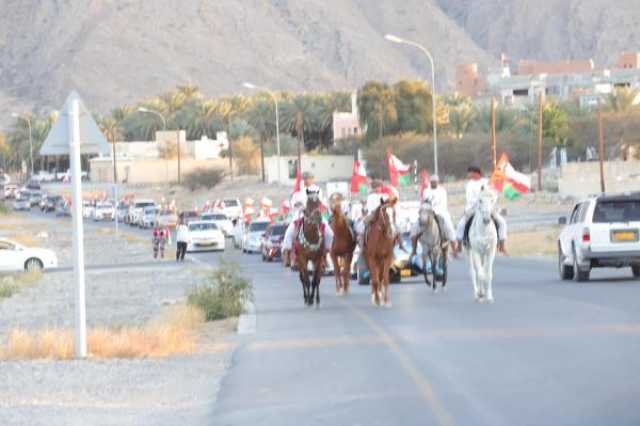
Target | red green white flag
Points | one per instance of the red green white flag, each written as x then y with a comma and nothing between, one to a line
508,180
359,178
399,173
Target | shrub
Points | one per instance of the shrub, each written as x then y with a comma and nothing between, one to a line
4,208
11,284
203,178
246,155
224,294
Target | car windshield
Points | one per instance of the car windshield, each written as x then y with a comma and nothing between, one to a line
104,205
617,211
150,210
202,226
278,230
231,203
166,213
258,226
6,245
142,205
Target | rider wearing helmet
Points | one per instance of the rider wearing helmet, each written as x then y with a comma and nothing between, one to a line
475,185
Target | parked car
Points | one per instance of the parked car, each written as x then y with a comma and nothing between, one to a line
252,236
189,216
88,207
272,242
34,198
220,219
9,191
148,217
603,231
205,236
403,265
103,210
167,218
232,208
122,211
16,257
22,201
135,210
52,202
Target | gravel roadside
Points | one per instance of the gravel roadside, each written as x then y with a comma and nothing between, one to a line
150,391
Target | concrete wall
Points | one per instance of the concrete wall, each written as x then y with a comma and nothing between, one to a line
582,179
324,167
149,170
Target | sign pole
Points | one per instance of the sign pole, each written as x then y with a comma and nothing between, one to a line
78,233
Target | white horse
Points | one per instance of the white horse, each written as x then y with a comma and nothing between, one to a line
481,248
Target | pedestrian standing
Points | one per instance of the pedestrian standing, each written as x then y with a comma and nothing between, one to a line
159,241
182,239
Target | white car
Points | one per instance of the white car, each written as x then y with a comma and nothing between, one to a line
103,211
232,208
136,208
9,191
148,217
252,238
122,211
603,231
205,236
221,220
22,201
88,207
16,257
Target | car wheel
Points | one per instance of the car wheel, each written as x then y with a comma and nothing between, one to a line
635,269
565,271
579,275
33,264
362,279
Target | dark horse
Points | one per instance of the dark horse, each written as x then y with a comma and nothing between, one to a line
309,248
379,240
344,244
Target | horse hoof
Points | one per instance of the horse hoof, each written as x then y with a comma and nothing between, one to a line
435,289
317,306
339,292
388,305
489,299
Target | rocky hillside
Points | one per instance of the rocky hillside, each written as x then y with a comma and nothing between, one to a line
117,51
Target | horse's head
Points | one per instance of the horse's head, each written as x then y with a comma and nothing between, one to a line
312,214
387,218
335,202
426,212
486,203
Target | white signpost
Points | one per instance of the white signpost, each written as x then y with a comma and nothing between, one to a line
73,132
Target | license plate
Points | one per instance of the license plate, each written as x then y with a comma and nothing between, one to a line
624,236
206,243
405,273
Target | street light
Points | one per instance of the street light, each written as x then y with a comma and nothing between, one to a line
28,120
275,101
164,127
396,39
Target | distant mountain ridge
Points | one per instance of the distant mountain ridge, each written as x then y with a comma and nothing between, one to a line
118,51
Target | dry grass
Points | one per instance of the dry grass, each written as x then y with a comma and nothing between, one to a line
174,333
11,284
25,239
541,241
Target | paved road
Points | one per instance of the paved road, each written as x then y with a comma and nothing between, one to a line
545,353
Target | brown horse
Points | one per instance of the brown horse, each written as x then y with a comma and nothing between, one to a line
379,240
309,247
344,244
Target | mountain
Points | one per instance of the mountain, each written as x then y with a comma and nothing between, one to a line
118,51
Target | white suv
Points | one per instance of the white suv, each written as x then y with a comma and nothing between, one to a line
603,231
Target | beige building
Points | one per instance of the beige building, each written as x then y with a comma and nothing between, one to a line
324,168
347,124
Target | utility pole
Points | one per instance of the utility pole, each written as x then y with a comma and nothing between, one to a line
601,147
540,137
494,155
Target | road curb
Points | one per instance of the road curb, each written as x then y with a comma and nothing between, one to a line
247,321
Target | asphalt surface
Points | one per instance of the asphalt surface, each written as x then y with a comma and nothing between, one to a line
545,353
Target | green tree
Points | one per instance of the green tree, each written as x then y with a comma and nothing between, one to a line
376,104
624,100
414,106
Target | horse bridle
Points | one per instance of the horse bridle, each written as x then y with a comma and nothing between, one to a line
315,222
384,220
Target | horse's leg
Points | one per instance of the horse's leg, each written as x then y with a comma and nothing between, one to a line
425,272
336,271
374,281
434,273
317,276
480,260
346,272
303,280
489,275
474,276
385,282
445,261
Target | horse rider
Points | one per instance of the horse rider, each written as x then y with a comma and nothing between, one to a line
475,185
312,200
436,195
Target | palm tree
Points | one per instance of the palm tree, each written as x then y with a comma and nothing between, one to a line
376,103
199,119
112,130
297,119
624,100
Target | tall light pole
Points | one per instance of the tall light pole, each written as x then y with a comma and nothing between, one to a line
275,101
164,127
399,40
28,120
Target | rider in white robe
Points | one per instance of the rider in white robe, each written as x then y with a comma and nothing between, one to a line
437,196
475,184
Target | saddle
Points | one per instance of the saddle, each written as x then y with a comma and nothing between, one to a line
467,227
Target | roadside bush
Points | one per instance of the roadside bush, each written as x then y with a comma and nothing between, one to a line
224,293
11,284
247,156
4,208
203,178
